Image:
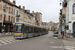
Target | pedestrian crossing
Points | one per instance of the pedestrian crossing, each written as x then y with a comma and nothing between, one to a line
5,41
70,48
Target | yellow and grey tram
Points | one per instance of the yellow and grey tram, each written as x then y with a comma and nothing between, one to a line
25,30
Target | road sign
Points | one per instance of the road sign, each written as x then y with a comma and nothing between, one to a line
59,30
69,22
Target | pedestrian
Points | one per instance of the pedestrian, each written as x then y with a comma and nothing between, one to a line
62,35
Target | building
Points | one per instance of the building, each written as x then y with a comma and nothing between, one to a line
45,25
39,15
38,18
11,13
68,19
6,16
51,26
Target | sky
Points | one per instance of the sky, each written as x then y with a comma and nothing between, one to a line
49,8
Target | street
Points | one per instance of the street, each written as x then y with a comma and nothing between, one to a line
45,42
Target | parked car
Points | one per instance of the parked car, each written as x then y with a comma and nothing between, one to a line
55,34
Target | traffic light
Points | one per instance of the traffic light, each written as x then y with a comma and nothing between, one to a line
66,27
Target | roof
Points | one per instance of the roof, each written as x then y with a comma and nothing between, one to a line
10,3
29,24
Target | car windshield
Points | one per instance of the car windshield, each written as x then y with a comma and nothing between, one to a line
55,32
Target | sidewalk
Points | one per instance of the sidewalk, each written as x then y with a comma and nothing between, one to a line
6,34
69,43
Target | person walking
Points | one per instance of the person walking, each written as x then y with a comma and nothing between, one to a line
62,35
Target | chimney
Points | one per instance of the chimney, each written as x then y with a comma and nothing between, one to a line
23,7
32,12
19,6
14,2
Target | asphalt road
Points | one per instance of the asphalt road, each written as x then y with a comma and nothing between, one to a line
45,42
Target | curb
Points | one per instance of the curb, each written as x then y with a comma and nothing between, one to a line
5,35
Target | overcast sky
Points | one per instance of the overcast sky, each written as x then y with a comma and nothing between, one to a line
49,8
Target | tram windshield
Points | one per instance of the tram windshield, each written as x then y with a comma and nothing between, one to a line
18,28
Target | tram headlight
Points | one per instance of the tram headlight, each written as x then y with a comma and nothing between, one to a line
22,33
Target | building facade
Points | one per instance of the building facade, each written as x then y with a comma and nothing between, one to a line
6,16
38,18
10,13
67,17
45,25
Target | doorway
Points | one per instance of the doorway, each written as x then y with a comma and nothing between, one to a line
74,29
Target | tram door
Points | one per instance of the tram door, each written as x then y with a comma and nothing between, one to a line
74,29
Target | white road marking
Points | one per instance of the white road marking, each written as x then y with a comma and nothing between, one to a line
51,42
7,41
3,42
0,44
70,48
14,41
55,37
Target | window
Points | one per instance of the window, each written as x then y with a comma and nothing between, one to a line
17,19
74,8
9,10
9,18
4,8
14,11
13,19
4,17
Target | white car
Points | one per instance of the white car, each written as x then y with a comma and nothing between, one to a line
55,34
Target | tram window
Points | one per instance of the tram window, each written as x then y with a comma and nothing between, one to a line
30,29
26,29
35,30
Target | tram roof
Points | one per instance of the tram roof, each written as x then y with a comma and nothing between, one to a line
29,24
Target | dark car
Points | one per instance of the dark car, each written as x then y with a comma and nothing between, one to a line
55,34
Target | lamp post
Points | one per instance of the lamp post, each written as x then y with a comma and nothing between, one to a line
2,23
2,19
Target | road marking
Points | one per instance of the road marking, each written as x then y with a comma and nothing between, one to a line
55,37
3,42
70,48
0,44
51,42
14,41
7,41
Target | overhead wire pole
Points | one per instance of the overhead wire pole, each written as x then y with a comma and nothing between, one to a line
65,21
2,19
60,27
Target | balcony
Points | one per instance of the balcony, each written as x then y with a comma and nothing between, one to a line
65,3
60,11
17,15
63,16
7,21
31,14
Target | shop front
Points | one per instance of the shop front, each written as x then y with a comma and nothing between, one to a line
7,27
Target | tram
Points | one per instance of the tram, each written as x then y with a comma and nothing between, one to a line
26,30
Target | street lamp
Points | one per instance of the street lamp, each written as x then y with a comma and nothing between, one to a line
2,19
